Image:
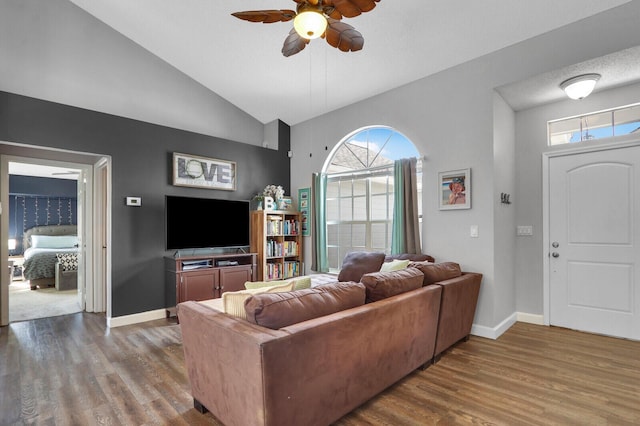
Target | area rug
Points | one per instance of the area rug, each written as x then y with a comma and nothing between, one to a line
26,304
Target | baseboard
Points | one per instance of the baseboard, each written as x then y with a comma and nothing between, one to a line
497,331
530,318
136,318
494,332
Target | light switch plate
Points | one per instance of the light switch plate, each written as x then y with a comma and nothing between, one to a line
526,230
134,201
473,231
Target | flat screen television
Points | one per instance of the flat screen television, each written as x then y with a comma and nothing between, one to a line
205,223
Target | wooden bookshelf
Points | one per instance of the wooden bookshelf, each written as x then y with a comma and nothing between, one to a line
277,239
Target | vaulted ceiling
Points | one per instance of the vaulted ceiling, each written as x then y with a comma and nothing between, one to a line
404,41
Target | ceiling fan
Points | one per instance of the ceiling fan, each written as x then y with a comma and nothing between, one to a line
316,18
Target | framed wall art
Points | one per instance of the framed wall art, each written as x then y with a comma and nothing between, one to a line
304,204
454,189
202,172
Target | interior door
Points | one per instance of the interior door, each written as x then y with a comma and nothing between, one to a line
594,234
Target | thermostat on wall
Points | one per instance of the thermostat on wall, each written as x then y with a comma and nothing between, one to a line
134,201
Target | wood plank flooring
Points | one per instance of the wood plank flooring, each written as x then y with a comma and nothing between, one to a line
71,370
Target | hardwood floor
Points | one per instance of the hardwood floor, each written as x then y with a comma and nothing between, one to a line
70,370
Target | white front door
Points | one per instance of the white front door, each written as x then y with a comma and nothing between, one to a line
594,241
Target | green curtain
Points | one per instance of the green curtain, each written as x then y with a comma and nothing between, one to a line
319,262
405,235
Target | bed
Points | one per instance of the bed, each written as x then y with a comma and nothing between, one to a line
42,244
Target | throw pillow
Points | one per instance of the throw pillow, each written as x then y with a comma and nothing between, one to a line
435,272
282,309
394,265
233,301
298,283
413,257
215,304
67,261
358,263
380,285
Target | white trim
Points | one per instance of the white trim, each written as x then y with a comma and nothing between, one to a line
530,318
113,322
498,330
495,332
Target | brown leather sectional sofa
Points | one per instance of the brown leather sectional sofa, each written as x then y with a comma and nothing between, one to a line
315,371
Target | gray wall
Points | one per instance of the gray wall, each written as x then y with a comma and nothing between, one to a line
504,217
451,117
141,166
531,137
94,67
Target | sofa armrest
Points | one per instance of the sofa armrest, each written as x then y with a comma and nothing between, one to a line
457,309
223,358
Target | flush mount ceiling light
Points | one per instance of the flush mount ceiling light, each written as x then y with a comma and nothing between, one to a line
581,86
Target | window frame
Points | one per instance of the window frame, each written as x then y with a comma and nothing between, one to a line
336,248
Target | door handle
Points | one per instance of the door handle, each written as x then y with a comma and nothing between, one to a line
555,254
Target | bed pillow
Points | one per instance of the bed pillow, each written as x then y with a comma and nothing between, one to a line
54,241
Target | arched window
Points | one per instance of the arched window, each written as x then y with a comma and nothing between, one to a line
360,191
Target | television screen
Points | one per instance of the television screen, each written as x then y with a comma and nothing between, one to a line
205,223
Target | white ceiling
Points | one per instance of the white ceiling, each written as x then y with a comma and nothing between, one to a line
404,41
38,170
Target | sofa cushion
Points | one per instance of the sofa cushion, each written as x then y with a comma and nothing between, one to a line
233,301
358,263
394,265
434,272
414,257
380,285
277,310
298,283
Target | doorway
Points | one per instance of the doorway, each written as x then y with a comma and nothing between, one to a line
593,241
43,212
93,178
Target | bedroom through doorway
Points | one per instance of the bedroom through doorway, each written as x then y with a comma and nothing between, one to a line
43,240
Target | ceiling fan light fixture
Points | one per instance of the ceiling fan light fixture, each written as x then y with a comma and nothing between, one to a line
581,86
310,24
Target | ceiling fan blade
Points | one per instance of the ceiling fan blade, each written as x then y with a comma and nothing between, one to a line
350,8
331,11
343,36
293,43
266,16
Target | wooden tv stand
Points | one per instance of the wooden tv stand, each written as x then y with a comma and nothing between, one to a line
205,277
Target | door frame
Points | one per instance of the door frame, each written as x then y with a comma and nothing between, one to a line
99,167
546,202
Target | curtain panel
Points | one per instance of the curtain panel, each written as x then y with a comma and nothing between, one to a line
319,262
405,236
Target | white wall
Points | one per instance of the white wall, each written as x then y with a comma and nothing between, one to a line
55,51
451,117
531,143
